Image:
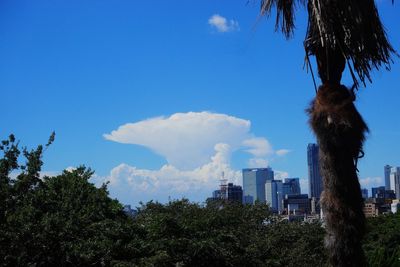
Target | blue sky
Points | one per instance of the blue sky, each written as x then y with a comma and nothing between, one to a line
192,94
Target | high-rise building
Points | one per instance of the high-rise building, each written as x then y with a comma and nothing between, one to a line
273,194
395,180
314,176
235,193
291,186
387,170
254,183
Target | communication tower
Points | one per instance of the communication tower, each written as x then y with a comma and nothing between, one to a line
224,186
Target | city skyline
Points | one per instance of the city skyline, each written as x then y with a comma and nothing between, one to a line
160,100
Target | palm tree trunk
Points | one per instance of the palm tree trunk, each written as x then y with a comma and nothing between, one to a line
340,132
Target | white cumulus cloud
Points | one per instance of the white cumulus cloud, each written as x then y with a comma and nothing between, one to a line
221,24
187,140
197,147
132,184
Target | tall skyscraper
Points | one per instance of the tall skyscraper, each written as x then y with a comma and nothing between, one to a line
314,176
387,170
254,183
274,194
395,180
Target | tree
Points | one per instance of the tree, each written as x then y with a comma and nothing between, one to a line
63,220
382,242
339,32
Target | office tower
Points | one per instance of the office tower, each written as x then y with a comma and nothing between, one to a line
395,180
254,183
291,186
378,192
270,194
314,176
364,193
387,170
235,193
273,194
232,193
279,195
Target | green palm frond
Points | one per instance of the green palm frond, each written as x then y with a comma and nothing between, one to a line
285,13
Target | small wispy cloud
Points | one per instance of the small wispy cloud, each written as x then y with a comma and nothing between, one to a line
257,163
369,182
222,24
258,146
282,152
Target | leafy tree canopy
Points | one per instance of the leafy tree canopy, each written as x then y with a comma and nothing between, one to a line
66,221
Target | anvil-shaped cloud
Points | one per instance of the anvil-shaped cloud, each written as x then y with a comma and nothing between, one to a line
187,140
197,147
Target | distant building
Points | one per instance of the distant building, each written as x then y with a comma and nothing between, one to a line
381,193
315,206
364,193
378,192
254,183
297,204
387,170
395,180
314,176
389,194
291,186
376,206
235,193
217,194
371,210
395,206
274,194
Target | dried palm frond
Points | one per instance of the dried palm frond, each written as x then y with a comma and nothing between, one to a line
285,14
354,28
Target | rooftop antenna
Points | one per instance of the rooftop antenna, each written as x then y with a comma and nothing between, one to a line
224,186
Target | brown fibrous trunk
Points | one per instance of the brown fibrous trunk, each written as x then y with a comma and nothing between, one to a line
340,132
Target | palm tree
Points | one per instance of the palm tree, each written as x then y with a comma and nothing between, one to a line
339,32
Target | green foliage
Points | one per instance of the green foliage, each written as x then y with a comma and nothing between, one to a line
295,244
382,244
66,221
62,220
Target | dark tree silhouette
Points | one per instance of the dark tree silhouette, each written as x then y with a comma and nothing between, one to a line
339,33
